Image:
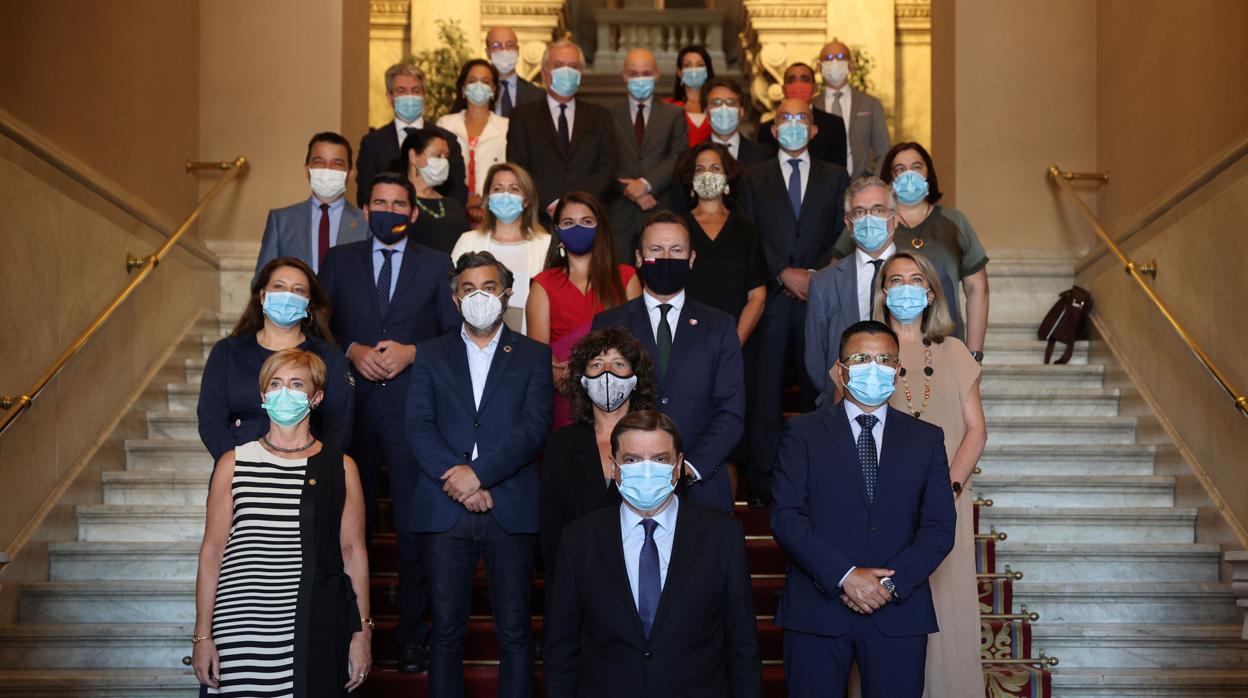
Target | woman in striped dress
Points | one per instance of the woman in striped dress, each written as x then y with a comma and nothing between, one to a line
282,593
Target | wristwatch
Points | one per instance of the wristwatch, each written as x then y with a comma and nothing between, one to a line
888,585
978,356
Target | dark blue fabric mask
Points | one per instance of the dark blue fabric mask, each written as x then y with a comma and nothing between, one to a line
388,227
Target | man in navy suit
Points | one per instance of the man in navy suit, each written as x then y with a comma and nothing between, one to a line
389,294
478,412
864,508
697,356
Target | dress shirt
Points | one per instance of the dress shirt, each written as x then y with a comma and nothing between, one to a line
645,111
509,86
829,94
401,126
786,171
852,411
673,315
396,261
335,216
634,535
479,359
732,143
554,114
865,270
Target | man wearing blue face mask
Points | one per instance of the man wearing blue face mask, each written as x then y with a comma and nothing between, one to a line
842,295
863,507
725,103
651,598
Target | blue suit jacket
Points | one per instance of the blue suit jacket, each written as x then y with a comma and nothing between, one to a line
509,429
830,309
821,518
703,390
288,232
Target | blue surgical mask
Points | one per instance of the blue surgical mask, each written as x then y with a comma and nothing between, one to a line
641,88
409,107
506,206
285,406
478,92
693,77
724,120
870,383
387,226
906,302
871,232
647,484
793,135
565,81
284,309
910,187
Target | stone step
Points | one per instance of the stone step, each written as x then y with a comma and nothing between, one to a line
1025,289
1060,430
182,396
113,560
1076,490
1018,376
156,486
1063,459
163,424
98,683
194,370
1111,562
1012,328
1027,351
1142,645
112,645
140,522
1150,683
1051,401
1117,525
167,454
1128,601
128,601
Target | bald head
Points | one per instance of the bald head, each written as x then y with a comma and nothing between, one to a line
499,37
836,51
640,63
794,106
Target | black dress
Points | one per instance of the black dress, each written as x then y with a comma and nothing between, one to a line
440,223
728,267
572,485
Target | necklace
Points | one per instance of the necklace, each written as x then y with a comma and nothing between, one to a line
918,242
927,381
279,449
436,214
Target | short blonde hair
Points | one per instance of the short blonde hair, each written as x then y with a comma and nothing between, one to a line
560,44
529,225
937,323
405,68
293,357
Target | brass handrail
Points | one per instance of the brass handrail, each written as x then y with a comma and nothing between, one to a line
14,406
1138,272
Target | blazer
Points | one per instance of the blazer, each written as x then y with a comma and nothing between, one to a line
831,308
588,164
380,147
704,641
525,92
828,144
868,131
751,151
703,390
491,145
288,232
667,136
572,485
508,429
420,309
821,518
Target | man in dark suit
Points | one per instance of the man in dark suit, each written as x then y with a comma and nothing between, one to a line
800,199
828,144
725,104
565,143
503,49
379,148
697,356
478,412
651,134
864,508
621,623
389,294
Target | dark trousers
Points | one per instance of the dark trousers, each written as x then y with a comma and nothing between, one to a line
890,667
451,559
781,338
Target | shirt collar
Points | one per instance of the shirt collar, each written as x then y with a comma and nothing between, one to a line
489,347
852,411
400,246
864,259
785,157
666,518
676,302
554,104
334,206
734,140
632,105
399,124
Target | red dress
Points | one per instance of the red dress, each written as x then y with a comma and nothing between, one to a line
697,133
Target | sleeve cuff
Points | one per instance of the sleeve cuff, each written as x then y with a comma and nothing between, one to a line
697,476
845,576
646,182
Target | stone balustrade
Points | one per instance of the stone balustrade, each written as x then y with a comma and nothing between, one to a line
663,32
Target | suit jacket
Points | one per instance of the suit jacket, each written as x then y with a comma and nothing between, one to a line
288,232
868,131
751,151
828,144
380,147
491,144
666,137
526,92
820,516
704,641
703,390
832,307
508,429
572,485
588,164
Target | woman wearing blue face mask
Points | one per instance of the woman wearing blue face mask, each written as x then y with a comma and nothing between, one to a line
287,309
938,382
482,134
424,157
693,69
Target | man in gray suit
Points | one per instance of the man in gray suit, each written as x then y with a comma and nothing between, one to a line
309,228
842,295
650,135
865,129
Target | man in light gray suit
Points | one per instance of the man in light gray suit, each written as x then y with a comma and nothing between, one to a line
841,295
308,229
866,132
650,135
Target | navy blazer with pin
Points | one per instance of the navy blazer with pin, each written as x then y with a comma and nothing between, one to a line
703,390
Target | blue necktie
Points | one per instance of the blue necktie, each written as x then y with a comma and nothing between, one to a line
383,282
867,456
795,186
504,107
648,587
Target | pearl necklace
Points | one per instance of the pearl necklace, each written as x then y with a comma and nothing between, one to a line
927,381
279,449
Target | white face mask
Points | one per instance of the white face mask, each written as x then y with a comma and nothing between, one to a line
505,61
481,309
435,171
834,72
607,390
327,184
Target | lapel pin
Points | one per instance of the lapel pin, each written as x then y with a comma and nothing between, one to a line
693,322
507,348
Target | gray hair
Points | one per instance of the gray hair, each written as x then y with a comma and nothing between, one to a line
405,68
472,260
560,44
865,182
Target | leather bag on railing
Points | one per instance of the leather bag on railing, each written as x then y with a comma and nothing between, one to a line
1066,321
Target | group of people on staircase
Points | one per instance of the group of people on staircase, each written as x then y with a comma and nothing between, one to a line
562,338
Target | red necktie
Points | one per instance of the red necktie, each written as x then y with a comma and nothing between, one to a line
639,124
322,237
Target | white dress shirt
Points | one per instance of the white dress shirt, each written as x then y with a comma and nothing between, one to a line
554,113
673,315
847,97
732,143
634,535
786,170
865,270
852,411
396,261
479,360
401,126
335,216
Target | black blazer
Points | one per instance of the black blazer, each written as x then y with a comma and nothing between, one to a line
527,92
827,145
704,641
380,147
589,163
751,151
572,485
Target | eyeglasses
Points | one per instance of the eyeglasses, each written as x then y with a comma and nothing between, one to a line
900,168
858,213
881,359
800,117
838,56
720,102
499,46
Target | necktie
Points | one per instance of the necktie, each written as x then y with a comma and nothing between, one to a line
639,125
564,138
875,273
648,585
867,456
383,282
504,107
795,185
664,340
322,236
836,104
407,130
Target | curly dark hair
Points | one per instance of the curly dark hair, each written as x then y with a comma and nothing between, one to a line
594,344
687,163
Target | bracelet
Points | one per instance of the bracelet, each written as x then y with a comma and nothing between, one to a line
195,639
368,622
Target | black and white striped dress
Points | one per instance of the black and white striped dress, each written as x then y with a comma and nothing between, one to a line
253,621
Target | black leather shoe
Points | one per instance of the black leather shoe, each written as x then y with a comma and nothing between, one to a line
413,659
758,501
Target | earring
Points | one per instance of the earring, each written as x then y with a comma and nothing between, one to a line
562,254
692,193
726,189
